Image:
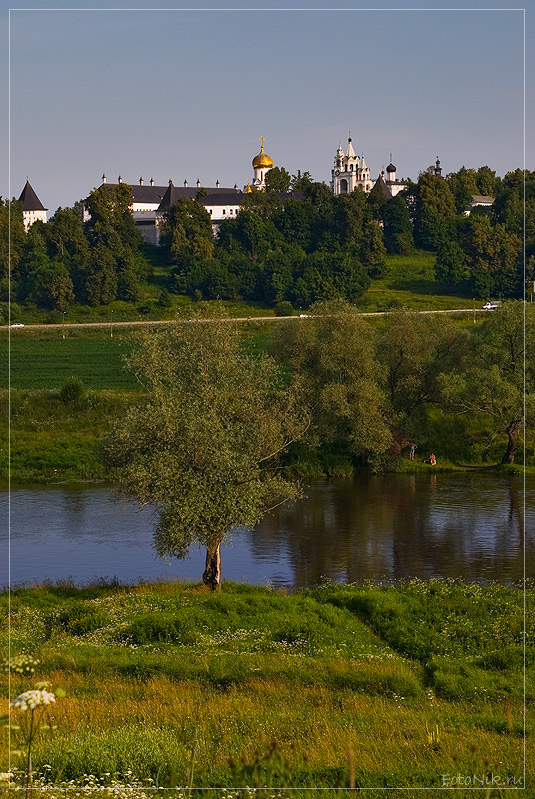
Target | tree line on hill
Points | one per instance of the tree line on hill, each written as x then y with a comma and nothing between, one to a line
67,259
309,247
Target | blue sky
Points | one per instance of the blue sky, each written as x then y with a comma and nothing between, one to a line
187,94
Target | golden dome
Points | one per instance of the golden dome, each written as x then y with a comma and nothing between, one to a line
262,159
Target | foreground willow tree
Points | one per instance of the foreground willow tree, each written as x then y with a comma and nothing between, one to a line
204,442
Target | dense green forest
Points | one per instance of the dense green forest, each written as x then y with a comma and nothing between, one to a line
311,247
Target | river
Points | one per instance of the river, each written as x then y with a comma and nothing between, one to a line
469,525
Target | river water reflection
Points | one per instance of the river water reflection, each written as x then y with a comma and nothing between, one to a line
390,527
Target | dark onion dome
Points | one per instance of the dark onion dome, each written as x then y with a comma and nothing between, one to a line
391,167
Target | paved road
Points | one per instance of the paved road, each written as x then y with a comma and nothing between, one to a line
224,319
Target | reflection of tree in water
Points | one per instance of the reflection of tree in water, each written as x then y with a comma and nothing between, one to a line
75,508
397,527
463,530
341,531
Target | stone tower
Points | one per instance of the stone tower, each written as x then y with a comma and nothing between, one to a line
32,207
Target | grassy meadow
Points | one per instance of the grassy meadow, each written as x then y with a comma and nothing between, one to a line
52,440
339,686
409,282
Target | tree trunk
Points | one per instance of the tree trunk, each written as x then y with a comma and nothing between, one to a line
513,429
212,572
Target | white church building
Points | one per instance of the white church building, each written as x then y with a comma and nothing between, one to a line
350,172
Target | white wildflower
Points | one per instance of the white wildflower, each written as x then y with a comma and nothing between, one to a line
20,664
30,700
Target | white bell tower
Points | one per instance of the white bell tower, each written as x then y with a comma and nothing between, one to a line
349,171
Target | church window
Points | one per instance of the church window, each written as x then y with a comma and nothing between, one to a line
231,211
224,211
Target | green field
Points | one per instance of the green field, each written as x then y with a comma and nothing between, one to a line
409,282
45,363
53,440
277,689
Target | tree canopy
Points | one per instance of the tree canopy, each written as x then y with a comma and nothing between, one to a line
334,352
204,444
302,248
498,382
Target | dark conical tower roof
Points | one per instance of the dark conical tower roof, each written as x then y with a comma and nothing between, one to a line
381,183
29,199
170,197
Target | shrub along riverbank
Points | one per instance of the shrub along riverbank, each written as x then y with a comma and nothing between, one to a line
417,681
55,440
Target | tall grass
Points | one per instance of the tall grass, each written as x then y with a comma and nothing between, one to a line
274,688
55,440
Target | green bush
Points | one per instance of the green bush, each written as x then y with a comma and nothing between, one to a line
73,390
284,308
164,299
80,618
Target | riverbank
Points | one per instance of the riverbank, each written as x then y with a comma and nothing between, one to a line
375,686
53,441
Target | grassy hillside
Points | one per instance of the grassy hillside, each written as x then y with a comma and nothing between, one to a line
409,282
266,688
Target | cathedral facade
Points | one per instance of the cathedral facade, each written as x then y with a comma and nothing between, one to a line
350,172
